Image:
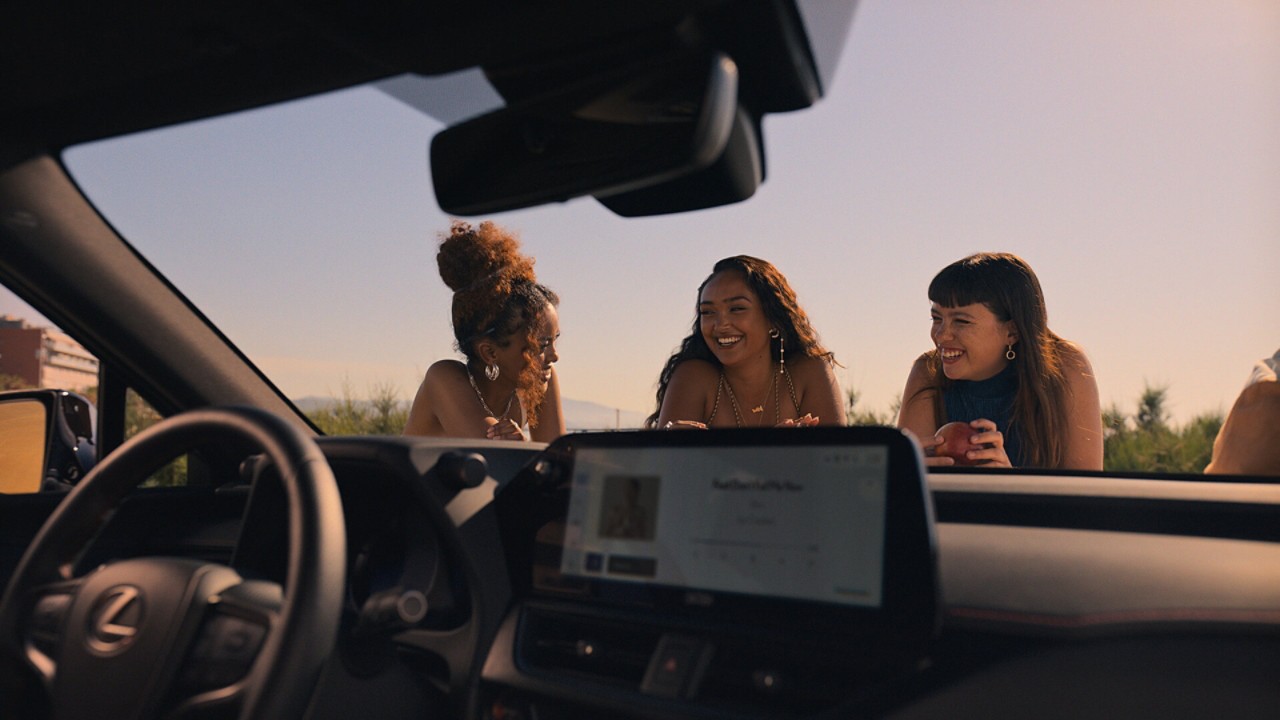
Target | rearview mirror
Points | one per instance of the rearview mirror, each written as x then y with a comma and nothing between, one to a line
610,136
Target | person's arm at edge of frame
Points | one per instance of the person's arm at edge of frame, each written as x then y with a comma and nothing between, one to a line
1083,447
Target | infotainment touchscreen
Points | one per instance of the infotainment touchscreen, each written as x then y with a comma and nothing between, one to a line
733,528
796,521
739,538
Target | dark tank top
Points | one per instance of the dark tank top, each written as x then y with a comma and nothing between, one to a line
990,399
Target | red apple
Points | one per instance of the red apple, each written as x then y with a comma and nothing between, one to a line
955,442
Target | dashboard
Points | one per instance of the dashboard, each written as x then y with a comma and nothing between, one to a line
613,575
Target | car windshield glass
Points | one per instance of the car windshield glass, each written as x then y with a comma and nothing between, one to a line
1127,151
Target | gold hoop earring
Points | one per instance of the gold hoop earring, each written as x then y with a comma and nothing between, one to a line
491,372
1010,354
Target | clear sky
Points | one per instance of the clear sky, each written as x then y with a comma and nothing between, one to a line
1128,149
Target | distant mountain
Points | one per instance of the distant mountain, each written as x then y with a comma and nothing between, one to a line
312,403
583,415
579,415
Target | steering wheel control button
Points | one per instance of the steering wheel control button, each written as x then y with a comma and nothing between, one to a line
223,653
115,620
676,666
47,619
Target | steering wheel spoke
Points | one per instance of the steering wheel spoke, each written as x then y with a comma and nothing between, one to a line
129,626
229,641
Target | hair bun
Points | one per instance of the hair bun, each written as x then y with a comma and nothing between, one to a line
486,257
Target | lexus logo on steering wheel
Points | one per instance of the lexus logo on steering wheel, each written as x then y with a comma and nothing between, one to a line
115,619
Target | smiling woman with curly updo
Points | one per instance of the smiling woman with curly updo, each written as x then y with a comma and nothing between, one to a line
506,326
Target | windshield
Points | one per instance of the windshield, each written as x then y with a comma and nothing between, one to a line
1127,151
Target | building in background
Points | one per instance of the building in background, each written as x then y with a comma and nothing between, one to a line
44,357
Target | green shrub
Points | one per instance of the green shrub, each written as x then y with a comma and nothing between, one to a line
382,414
1147,442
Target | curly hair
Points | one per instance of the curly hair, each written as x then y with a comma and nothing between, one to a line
1008,287
777,301
496,295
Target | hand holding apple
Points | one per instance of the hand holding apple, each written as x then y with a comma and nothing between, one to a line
954,442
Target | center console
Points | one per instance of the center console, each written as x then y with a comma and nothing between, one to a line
771,572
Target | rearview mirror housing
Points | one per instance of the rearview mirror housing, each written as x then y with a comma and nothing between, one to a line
610,135
733,177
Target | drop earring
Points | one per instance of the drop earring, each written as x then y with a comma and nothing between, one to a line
782,350
1010,354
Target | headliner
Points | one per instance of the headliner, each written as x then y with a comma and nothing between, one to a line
69,77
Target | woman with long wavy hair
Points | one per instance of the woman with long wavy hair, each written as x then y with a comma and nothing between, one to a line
506,326
1029,395
752,358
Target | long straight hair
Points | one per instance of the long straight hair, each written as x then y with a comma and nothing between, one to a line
1009,288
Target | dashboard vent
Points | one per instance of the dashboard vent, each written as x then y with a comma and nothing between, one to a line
610,651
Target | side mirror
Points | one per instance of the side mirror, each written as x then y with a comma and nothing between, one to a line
48,440
611,135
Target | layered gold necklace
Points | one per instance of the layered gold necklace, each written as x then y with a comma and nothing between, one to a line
758,409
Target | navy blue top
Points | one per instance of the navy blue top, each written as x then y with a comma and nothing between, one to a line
990,399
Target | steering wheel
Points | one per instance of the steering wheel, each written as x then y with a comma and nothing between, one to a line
141,638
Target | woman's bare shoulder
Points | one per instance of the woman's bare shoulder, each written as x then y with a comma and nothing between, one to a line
817,391
808,368
690,392
695,370
1078,372
450,369
918,410
1073,358
921,363
921,375
443,385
